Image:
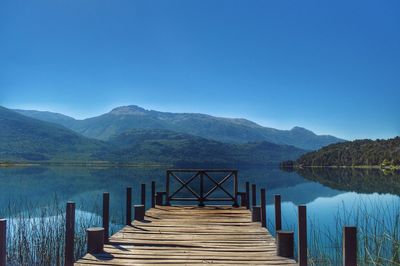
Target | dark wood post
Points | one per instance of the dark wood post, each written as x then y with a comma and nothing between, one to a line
256,214
159,198
128,206
106,215
3,242
247,195
95,240
69,233
153,194
242,198
278,215
139,212
349,246
201,200
263,209
253,195
302,235
285,244
167,202
235,188
143,195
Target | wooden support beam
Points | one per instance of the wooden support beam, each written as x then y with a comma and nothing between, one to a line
285,244
69,234
95,240
106,216
128,220
302,235
256,214
143,195
247,195
153,194
278,213
263,209
349,246
159,198
139,212
253,195
3,242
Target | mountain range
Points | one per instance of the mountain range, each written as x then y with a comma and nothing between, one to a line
27,139
227,130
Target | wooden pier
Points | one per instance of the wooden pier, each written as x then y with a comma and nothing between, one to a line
191,235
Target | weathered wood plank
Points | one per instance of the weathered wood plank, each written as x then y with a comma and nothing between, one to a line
189,235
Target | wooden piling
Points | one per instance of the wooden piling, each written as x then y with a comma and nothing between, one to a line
302,235
349,246
247,195
256,214
285,244
263,209
278,213
143,195
128,206
3,242
106,216
95,240
153,194
139,212
253,195
242,198
69,234
159,198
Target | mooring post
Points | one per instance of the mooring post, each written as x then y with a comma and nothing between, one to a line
247,195
349,246
285,244
69,233
263,209
256,214
302,235
278,215
153,194
3,242
167,202
139,212
95,240
235,188
106,215
128,206
159,198
143,195
253,195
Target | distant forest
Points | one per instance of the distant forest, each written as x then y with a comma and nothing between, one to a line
385,153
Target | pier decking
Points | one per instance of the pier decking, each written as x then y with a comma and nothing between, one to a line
190,235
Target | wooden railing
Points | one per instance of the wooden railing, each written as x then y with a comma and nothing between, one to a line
198,193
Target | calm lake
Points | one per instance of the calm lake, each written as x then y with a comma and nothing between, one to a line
332,196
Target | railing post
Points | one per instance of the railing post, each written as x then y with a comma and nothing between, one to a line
263,209
235,188
153,194
349,246
247,195
128,206
201,200
143,195
95,240
285,244
3,242
106,215
256,214
278,215
159,198
139,212
302,235
167,202
253,195
69,233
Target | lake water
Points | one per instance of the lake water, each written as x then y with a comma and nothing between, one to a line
333,196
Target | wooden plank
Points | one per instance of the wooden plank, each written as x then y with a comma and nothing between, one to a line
189,235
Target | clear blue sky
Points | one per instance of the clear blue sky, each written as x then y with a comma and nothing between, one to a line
330,66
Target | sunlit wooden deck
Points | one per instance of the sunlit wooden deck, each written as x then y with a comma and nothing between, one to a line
190,235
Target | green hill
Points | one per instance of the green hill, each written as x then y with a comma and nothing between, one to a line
229,130
25,139
355,153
